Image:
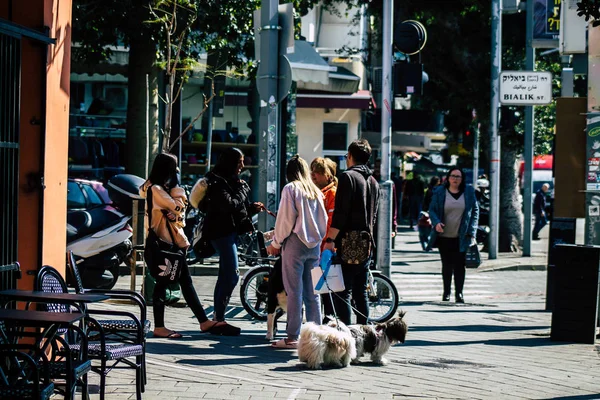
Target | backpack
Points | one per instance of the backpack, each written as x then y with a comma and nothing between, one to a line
198,192
201,246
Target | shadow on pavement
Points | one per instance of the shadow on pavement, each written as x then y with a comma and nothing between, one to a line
518,342
475,328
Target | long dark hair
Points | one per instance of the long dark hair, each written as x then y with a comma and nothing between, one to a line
227,163
462,185
164,171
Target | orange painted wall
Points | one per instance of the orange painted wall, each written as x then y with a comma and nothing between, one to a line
42,226
57,16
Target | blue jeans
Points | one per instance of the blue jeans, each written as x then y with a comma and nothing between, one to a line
229,273
297,262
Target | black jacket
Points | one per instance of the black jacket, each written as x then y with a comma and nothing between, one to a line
226,207
539,204
352,201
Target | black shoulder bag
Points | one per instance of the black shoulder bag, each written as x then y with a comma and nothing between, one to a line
164,260
357,244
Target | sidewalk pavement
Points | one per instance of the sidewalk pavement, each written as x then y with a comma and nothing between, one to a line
495,346
405,241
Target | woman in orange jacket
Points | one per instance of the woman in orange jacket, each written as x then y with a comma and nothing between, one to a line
322,172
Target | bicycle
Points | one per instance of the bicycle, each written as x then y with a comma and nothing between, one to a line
254,286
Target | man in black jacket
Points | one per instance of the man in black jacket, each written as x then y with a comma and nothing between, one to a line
355,210
539,210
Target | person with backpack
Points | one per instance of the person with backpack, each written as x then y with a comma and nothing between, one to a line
228,214
166,206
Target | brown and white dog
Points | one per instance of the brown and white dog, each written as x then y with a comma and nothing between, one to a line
377,339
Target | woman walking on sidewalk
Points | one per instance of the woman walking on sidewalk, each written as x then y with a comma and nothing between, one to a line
228,213
299,229
168,204
454,213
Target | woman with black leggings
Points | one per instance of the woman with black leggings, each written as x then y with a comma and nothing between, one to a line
454,214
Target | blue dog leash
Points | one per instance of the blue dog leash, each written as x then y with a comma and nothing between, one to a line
325,264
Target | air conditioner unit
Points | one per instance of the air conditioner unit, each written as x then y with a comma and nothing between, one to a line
510,6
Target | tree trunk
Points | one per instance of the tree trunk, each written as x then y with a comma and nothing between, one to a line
142,59
511,216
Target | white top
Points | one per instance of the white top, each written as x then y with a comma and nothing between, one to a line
297,214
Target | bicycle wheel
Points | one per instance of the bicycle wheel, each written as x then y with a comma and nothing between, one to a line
383,298
254,291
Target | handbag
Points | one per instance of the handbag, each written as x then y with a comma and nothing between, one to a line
164,260
328,276
356,247
472,257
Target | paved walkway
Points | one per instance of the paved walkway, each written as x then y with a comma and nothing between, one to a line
495,346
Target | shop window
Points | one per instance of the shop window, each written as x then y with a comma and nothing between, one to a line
335,136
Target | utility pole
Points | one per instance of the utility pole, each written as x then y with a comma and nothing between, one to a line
496,58
475,147
528,148
268,78
384,225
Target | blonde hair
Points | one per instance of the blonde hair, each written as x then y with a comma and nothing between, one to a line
325,166
298,173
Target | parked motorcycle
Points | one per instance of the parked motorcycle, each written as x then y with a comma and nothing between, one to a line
483,197
98,234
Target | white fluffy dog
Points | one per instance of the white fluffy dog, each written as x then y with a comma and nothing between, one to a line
322,345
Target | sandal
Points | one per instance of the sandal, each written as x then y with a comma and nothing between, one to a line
224,329
285,344
171,335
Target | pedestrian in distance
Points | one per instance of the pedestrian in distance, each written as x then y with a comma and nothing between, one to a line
415,190
454,213
323,174
433,183
168,208
300,227
355,211
539,210
228,214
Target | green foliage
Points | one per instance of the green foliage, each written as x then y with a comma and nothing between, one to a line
589,9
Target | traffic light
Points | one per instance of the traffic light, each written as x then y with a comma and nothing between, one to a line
509,118
408,79
469,138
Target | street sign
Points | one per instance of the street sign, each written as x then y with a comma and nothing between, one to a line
525,88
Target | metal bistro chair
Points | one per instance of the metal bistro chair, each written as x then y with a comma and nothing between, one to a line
61,363
20,375
110,355
120,330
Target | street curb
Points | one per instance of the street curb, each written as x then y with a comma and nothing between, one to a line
515,267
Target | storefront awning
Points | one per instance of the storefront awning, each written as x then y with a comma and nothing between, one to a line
359,100
307,65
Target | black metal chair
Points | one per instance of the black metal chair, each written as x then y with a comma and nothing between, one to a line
121,329
20,376
109,355
19,372
26,371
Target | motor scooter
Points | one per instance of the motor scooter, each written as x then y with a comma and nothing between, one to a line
98,235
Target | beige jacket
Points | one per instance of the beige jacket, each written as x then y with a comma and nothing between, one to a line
174,202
